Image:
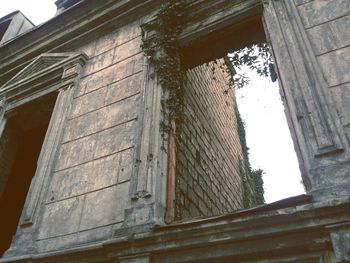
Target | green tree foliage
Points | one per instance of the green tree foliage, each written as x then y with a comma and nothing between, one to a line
257,58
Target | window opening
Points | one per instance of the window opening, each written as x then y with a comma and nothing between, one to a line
210,51
20,146
267,133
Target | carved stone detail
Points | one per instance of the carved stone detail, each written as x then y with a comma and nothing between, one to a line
150,163
70,71
42,63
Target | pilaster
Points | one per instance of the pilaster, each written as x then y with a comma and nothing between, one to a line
317,127
148,183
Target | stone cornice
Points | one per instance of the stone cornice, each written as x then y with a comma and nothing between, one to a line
85,19
90,17
248,235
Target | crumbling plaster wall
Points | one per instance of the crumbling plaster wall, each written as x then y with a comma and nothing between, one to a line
208,148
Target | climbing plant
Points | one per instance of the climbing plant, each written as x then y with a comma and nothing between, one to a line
252,182
162,48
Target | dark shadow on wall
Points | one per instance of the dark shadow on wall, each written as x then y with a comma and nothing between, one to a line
20,147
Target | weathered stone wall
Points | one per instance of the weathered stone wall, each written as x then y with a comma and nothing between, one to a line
90,186
209,150
327,25
89,189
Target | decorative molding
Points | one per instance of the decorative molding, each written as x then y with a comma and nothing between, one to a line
47,73
2,114
328,257
41,63
69,28
142,187
308,85
3,121
281,232
47,155
70,71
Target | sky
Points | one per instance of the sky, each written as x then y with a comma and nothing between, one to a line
37,11
268,137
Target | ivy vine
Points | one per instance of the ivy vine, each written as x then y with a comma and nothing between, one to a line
252,182
163,50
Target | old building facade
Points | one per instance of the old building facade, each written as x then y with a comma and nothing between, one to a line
108,186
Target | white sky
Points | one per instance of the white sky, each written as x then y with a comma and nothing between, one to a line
268,136
37,11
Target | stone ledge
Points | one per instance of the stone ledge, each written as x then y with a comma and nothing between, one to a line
265,232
